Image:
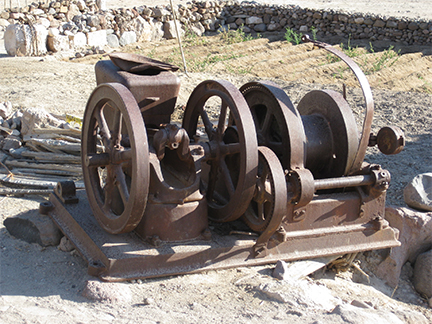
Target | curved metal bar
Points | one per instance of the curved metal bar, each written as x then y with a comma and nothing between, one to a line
367,94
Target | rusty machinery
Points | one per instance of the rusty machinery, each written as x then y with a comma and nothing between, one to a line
170,199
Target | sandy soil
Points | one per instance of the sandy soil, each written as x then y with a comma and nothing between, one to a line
41,285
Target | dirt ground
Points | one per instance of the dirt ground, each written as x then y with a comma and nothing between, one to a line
44,285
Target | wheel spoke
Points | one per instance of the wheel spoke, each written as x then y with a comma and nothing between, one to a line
117,127
121,184
103,128
260,212
108,195
222,119
208,125
227,178
265,126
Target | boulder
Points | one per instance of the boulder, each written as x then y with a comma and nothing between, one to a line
422,278
170,30
128,37
113,41
414,234
97,38
23,40
418,193
58,43
33,228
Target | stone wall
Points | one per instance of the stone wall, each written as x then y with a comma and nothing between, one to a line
76,24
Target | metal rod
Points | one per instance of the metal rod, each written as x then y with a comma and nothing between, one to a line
351,181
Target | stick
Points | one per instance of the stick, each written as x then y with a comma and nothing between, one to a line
52,157
66,167
178,38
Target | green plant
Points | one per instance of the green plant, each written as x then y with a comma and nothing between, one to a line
190,38
235,36
291,36
314,33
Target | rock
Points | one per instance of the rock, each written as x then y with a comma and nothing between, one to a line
128,37
97,38
34,118
33,228
352,314
58,43
422,278
111,292
5,109
157,30
418,193
23,40
113,41
254,20
170,30
414,234
143,29
197,28
102,5
300,269
299,292
65,245
78,40
11,142
260,28
303,29
72,12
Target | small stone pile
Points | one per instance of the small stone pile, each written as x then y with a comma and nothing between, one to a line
75,24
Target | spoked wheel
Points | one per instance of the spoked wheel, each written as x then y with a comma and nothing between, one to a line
278,124
270,198
115,158
232,155
331,132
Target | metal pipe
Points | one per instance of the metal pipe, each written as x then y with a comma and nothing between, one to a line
351,181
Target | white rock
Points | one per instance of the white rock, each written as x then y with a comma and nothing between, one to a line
79,40
37,12
418,193
157,30
254,20
300,292
97,38
4,22
5,109
24,40
58,43
197,28
44,22
102,5
128,37
53,32
303,29
113,41
143,29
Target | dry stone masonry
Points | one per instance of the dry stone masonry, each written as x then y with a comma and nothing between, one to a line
78,24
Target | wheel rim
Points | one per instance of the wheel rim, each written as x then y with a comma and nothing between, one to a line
233,157
278,124
115,167
270,198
